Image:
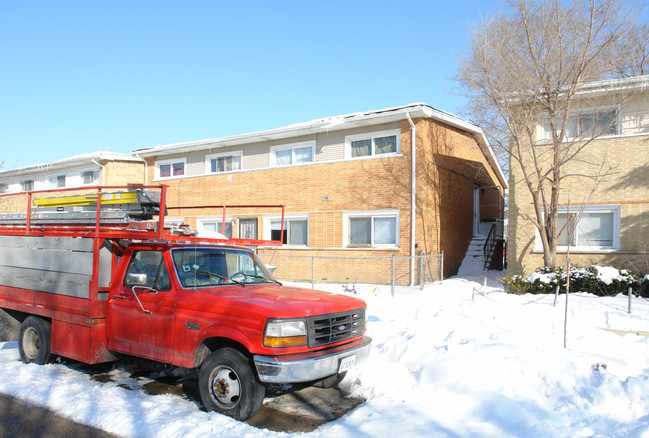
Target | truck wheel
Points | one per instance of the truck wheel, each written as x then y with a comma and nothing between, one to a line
331,381
35,340
229,386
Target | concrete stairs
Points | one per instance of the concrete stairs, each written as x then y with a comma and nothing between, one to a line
474,257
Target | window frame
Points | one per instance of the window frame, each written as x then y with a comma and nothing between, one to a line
372,215
23,185
268,220
201,222
292,147
56,180
95,177
171,162
373,136
614,209
210,157
543,134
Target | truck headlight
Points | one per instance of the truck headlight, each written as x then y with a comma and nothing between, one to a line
285,333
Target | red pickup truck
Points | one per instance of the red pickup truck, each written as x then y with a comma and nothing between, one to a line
89,294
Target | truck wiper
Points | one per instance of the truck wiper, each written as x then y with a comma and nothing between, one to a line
212,274
261,277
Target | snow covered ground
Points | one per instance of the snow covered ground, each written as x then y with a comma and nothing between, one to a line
445,362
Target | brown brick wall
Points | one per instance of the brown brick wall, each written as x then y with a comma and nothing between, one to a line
627,186
122,173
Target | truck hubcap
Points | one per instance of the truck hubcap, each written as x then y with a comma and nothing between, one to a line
31,343
225,389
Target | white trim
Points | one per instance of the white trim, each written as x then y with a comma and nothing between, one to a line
604,208
372,136
372,214
210,157
287,218
157,164
292,146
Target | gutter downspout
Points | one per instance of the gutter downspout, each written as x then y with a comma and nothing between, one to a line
413,199
103,172
146,167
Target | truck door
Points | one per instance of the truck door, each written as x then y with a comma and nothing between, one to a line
141,310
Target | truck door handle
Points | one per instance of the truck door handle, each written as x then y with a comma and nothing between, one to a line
121,297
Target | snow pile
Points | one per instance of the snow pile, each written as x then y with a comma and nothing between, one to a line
454,360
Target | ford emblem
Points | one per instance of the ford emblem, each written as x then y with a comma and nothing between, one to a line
341,328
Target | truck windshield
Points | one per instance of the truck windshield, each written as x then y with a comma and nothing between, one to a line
202,266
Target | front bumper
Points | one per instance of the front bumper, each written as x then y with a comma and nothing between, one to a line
311,366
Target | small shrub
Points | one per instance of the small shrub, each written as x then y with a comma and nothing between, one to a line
601,281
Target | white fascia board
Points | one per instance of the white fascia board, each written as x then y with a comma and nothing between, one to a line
305,128
75,161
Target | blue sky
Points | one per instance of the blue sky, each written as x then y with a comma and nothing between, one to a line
78,77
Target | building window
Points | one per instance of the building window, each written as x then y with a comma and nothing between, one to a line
213,225
226,162
372,229
170,168
90,176
58,182
296,230
4,188
597,228
27,185
594,122
298,153
373,144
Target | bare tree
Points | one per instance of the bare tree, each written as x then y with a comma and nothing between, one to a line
534,64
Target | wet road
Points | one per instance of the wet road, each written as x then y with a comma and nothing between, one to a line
19,419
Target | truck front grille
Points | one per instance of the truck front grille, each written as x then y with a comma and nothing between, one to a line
335,327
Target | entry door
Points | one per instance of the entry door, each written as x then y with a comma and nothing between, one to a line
248,228
476,210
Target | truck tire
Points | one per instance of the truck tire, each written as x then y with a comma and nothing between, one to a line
34,342
228,385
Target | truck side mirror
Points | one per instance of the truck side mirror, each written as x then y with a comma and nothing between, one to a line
136,280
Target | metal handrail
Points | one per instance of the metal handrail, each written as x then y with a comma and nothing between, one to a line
489,245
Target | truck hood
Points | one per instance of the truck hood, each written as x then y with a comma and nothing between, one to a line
283,301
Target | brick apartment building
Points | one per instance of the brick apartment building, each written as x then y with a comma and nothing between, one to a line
347,183
351,185
92,169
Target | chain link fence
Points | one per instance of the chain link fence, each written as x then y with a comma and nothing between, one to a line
388,270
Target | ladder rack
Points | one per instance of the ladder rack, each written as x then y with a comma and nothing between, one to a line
129,212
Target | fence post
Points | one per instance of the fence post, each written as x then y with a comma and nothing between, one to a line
630,295
556,294
312,272
441,269
421,271
392,289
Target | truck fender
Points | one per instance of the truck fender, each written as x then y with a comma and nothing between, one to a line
221,338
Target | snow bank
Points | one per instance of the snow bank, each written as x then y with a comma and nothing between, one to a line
445,362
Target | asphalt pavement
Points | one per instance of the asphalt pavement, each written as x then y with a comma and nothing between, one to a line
19,419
